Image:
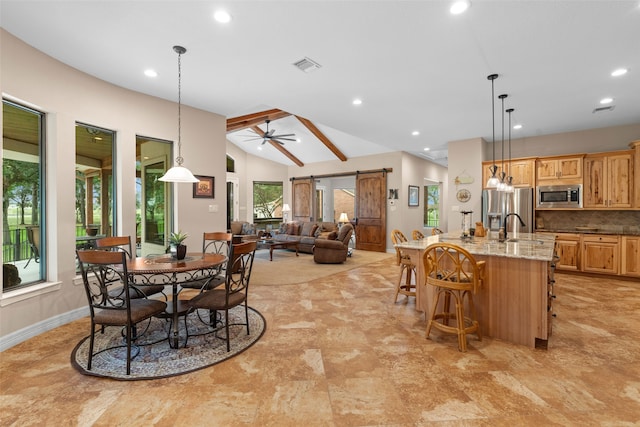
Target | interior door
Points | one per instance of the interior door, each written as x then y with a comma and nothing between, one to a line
371,211
303,191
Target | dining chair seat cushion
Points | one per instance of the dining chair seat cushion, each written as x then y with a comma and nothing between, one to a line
200,284
140,309
216,300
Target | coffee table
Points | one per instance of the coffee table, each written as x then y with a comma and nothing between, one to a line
277,244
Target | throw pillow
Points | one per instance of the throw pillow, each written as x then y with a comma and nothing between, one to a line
308,228
247,228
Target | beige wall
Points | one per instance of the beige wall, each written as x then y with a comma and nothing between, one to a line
67,96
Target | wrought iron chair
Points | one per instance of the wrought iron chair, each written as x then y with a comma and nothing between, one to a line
123,244
217,242
236,288
456,274
407,268
33,237
102,272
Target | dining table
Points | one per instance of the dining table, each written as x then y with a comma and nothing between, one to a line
167,270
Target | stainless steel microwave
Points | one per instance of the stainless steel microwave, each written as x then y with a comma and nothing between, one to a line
559,196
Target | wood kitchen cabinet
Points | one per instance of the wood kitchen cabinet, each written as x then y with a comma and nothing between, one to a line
522,171
600,254
608,180
630,256
559,170
567,249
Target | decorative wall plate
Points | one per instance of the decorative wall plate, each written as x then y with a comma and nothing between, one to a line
463,195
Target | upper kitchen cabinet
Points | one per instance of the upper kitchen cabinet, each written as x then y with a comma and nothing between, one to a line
522,171
608,180
559,170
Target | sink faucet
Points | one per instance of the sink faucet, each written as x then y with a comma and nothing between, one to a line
505,222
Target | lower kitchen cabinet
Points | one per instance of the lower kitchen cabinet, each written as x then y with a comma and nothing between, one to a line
630,256
601,254
568,251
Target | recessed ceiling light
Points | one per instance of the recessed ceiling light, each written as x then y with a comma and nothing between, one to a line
517,126
426,148
150,73
606,100
415,133
357,101
259,148
619,72
298,140
222,16
459,6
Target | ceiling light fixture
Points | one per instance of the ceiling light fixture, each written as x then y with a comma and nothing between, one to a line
427,148
179,173
517,127
503,174
222,17
357,101
606,100
459,7
415,133
619,72
150,73
493,180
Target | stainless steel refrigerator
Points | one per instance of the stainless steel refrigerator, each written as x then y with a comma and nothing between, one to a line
496,204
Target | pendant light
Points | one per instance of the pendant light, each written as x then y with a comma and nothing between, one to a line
493,180
179,173
509,184
503,174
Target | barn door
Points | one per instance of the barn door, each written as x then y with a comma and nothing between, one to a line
302,193
371,211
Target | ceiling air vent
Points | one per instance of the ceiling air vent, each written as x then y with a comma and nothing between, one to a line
307,65
602,109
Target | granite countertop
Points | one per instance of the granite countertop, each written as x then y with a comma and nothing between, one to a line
520,245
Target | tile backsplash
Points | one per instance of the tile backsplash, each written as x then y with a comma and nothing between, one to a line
614,222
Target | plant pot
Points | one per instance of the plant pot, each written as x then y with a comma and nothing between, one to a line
91,231
178,251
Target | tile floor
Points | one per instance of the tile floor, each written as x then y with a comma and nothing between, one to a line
339,352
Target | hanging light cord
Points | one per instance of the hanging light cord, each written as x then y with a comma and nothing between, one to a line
510,110
180,50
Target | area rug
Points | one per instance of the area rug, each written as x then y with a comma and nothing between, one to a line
156,359
287,269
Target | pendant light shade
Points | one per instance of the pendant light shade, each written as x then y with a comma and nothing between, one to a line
493,180
179,173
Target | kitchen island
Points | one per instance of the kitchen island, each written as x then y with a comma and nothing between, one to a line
514,303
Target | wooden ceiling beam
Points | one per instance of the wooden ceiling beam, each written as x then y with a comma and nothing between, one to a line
246,121
323,138
279,147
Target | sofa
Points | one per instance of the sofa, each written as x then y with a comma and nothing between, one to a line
243,231
333,251
306,233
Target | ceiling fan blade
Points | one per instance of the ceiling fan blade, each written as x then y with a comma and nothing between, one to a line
253,138
279,142
284,135
285,139
269,134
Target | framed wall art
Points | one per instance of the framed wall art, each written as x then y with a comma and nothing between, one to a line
414,195
205,188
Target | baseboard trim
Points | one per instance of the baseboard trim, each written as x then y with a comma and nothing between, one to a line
36,329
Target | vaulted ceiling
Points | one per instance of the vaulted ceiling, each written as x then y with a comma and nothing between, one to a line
415,66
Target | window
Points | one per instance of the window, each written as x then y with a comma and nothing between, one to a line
432,205
153,197
267,202
23,254
95,183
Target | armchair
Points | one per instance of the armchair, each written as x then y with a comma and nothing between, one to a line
328,251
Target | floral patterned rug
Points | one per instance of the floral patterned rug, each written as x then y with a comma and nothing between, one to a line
155,359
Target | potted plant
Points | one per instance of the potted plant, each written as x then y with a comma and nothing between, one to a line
176,248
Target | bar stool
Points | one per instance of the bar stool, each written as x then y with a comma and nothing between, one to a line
456,274
407,268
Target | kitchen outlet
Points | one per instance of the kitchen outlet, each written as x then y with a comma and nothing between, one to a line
455,208
213,208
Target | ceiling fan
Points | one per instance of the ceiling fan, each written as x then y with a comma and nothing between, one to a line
268,135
